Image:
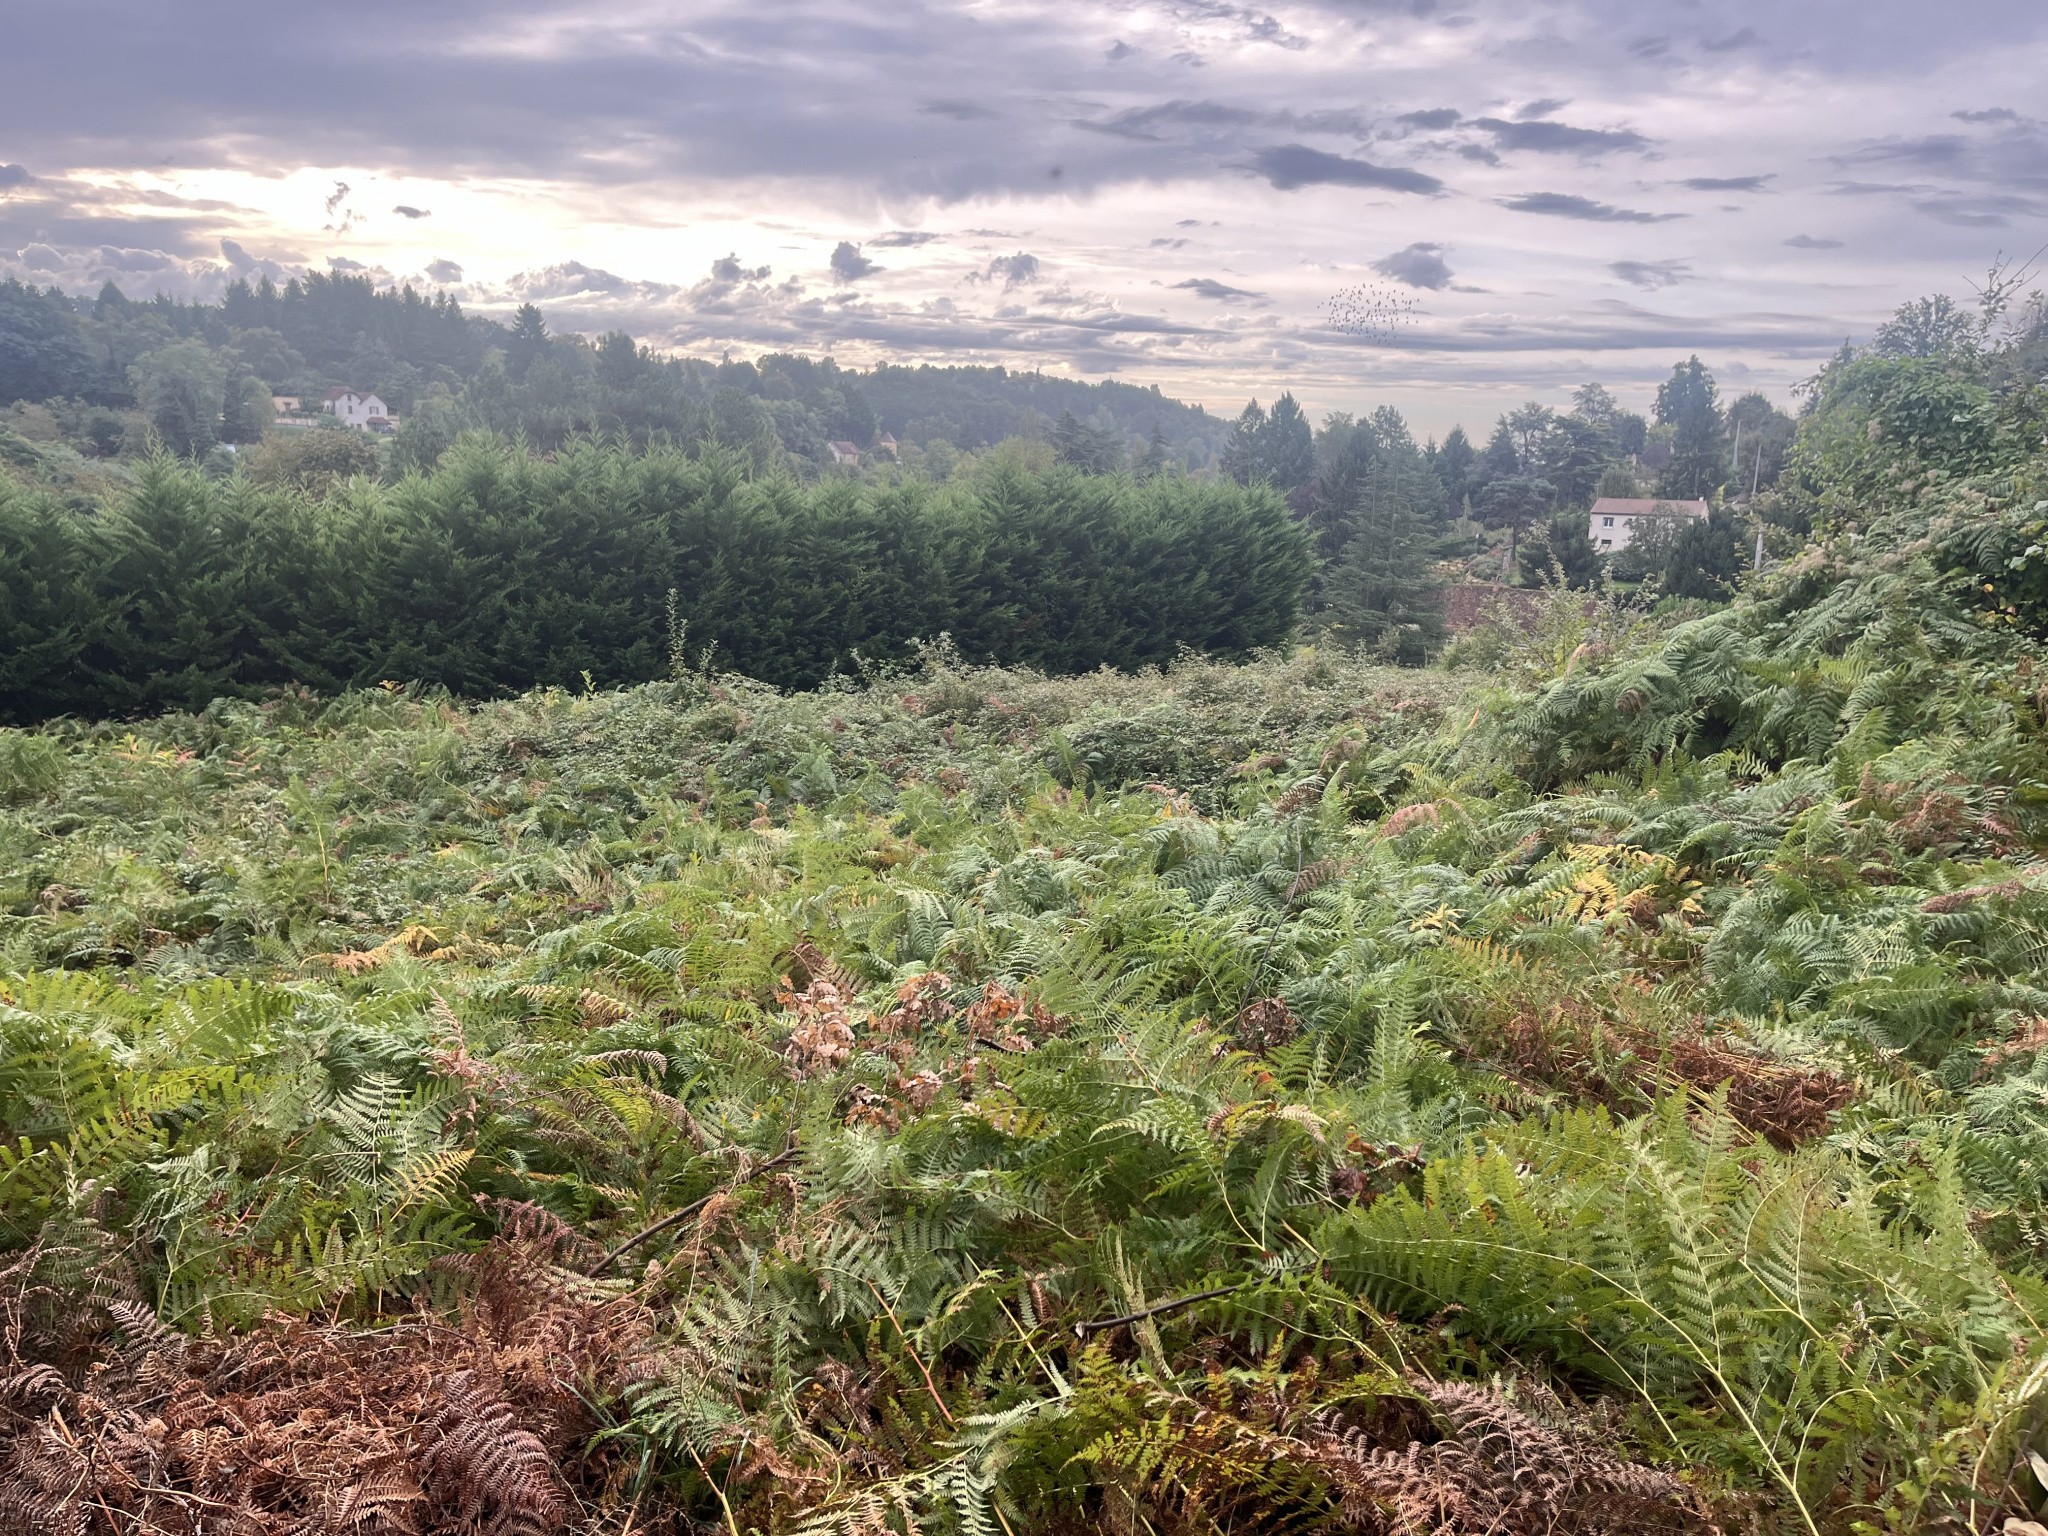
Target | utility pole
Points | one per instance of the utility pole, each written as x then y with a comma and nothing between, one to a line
1756,479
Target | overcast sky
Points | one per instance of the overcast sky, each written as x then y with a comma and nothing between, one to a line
1450,206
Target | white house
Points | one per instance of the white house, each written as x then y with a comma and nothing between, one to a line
845,453
356,408
1615,519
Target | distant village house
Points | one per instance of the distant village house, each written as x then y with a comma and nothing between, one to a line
285,405
359,409
1617,519
886,444
845,453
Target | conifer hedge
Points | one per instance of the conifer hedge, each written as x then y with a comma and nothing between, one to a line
502,571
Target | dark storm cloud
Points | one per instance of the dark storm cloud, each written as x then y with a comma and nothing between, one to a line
1223,293
1292,166
1561,138
1420,265
1567,205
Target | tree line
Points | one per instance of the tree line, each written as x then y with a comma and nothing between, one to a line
114,370
504,570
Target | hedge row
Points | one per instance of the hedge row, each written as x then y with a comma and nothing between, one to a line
502,571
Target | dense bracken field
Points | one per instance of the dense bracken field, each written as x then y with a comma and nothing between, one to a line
1600,1088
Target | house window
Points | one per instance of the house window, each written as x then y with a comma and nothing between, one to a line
1606,522
1607,543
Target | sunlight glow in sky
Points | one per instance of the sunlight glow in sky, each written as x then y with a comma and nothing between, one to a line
1167,191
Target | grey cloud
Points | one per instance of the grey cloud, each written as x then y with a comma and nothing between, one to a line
1987,115
1615,326
573,280
1143,122
14,176
1729,183
848,265
896,239
1566,205
1292,166
1163,243
1223,293
41,258
1561,138
1651,274
1813,243
407,211
237,257
727,269
120,259
1744,38
1018,271
348,264
1432,117
1420,265
959,111
444,271
1118,50
1993,211
1542,108
1480,153
1937,150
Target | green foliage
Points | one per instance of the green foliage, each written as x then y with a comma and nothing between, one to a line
1276,449
1602,1090
499,570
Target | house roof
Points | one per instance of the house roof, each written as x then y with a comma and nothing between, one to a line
845,448
1647,506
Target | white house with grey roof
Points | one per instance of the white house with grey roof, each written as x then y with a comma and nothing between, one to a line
1616,519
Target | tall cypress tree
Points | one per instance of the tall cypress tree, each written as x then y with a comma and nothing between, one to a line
1687,402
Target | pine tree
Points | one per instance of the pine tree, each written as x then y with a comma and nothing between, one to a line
1379,507
1706,557
1454,462
1154,460
1244,454
1686,401
528,341
1286,446
1092,450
